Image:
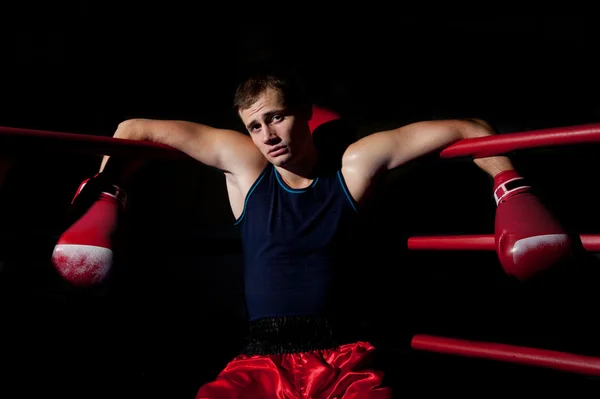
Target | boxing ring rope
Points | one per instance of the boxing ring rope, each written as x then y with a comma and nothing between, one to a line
18,140
483,242
14,140
500,144
563,361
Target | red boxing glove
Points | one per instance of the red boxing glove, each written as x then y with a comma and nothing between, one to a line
83,254
529,239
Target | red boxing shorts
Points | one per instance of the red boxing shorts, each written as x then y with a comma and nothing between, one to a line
341,372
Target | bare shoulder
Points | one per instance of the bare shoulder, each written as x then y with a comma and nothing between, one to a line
356,176
240,158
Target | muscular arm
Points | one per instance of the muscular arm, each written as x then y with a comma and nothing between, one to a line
227,150
364,160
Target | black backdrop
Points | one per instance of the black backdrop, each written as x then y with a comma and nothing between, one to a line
172,313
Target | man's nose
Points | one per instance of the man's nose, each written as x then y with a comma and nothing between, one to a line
268,134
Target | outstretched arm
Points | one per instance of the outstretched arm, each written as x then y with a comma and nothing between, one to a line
379,152
227,150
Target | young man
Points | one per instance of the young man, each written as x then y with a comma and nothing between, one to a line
297,214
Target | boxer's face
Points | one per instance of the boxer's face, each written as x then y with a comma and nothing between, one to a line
278,132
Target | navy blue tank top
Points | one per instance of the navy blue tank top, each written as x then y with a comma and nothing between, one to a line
294,242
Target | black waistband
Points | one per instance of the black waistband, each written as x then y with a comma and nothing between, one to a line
294,334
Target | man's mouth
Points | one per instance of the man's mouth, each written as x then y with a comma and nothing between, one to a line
276,151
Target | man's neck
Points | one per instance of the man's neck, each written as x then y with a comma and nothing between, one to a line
300,174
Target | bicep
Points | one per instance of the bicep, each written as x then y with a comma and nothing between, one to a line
227,150
389,149
365,159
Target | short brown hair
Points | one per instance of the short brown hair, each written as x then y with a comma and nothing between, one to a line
294,94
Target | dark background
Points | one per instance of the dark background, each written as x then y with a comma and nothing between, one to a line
172,313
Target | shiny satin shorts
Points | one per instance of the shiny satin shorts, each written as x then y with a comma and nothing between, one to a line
341,372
